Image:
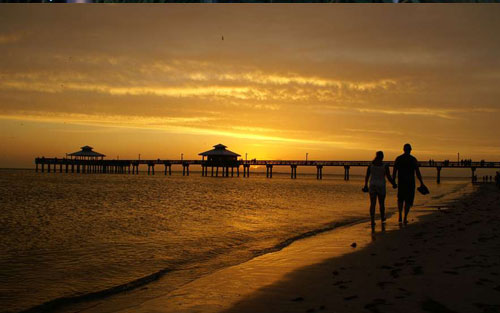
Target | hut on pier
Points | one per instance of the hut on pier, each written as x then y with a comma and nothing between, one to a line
86,154
219,157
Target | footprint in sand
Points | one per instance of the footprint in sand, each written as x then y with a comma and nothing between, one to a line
298,299
383,284
395,273
350,297
418,270
342,282
433,306
373,306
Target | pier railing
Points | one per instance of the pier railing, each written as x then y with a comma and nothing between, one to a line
228,168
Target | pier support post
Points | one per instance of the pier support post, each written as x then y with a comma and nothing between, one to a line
346,172
238,171
60,168
66,167
232,171
185,169
293,174
438,178
72,168
269,171
36,169
473,169
43,167
319,171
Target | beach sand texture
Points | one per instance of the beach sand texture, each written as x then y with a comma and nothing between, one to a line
446,260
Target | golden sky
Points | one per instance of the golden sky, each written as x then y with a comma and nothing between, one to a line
335,81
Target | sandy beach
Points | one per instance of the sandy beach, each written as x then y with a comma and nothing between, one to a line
446,260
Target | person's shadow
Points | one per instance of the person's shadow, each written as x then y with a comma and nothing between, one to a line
382,230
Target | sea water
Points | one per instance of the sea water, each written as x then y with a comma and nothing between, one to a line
69,238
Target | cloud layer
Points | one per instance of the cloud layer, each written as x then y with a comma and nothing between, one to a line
342,80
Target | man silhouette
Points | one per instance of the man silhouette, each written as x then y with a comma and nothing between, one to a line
405,167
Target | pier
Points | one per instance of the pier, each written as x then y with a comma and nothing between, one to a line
103,166
219,160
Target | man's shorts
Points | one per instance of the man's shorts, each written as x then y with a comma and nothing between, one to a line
378,190
406,193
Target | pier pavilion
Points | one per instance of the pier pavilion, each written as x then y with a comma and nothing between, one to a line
86,153
223,158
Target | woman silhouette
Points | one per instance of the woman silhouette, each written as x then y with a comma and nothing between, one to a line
376,173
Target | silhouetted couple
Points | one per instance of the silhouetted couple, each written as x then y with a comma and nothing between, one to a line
405,167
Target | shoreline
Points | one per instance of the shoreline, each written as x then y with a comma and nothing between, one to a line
270,282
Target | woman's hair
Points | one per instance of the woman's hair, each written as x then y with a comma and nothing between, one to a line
379,156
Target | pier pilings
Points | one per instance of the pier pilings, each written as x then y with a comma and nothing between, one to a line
269,170
319,171
346,172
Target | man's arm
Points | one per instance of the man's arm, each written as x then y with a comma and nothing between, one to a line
395,171
419,176
417,170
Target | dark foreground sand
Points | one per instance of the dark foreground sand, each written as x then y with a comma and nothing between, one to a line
445,260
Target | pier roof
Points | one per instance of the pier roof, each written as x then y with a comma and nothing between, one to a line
86,152
219,150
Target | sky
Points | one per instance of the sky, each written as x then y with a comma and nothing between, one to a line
338,82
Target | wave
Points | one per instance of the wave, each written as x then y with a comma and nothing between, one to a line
57,303
311,233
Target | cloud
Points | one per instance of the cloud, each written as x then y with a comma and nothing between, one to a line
179,125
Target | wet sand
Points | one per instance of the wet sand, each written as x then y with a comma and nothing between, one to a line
446,260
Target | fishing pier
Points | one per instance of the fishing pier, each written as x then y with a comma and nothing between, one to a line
218,162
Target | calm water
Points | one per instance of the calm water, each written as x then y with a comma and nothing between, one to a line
67,235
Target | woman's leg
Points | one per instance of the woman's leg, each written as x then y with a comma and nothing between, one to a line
381,203
373,203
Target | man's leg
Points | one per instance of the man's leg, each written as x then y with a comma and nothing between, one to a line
407,210
400,210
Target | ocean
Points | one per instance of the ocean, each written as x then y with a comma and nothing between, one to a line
69,239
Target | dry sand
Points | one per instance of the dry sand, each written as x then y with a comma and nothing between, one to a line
445,260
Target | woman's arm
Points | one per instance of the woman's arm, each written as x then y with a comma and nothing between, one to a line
389,177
